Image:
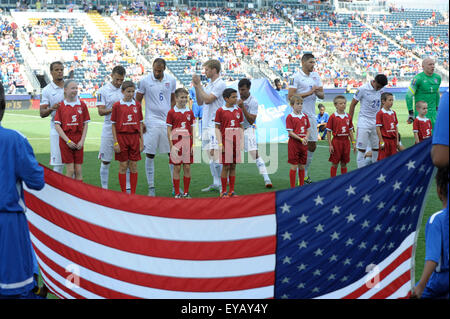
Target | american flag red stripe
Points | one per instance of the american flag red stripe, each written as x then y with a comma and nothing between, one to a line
122,251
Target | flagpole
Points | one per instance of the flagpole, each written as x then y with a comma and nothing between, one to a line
416,236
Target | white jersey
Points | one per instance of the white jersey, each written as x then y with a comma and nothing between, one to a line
107,95
51,95
251,104
157,96
370,104
215,88
304,83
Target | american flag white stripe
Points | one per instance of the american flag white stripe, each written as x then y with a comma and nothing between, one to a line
155,226
137,291
406,265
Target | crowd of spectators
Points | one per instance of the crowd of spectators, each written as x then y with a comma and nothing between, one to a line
270,38
10,75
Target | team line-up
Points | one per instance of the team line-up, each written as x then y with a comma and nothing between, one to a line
227,124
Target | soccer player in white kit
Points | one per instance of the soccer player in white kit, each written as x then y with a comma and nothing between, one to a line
52,95
308,85
107,95
158,90
249,106
211,98
366,136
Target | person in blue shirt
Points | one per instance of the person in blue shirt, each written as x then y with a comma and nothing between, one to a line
197,109
434,282
439,150
322,120
17,266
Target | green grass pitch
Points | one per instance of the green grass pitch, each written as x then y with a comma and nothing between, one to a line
248,181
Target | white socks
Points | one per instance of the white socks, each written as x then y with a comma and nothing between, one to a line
104,175
374,156
262,169
308,162
216,171
360,160
150,171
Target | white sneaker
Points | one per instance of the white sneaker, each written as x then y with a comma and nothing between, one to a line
151,191
211,187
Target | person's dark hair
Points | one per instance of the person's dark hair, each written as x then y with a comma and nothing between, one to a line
55,63
442,181
381,79
160,61
127,84
244,82
227,93
307,56
118,69
385,95
2,100
181,91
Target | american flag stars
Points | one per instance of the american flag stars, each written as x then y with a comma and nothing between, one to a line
330,232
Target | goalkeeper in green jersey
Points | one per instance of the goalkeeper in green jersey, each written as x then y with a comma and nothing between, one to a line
424,87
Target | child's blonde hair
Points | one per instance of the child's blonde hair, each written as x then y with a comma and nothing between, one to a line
295,98
339,97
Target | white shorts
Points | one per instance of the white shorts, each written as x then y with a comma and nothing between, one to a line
55,151
106,151
209,139
156,140
250,143
367,137
313,135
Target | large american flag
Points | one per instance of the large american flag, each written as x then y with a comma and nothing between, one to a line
352,236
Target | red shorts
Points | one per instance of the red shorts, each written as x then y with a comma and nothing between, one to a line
184,154
297,152
341,146
129,147
390,148
231,153
69,155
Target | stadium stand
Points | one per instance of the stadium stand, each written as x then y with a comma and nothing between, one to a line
351,47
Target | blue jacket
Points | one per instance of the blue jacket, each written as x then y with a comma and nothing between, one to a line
17,164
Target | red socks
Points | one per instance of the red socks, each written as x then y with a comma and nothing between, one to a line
133,182
123,182
232,179
333,171
176,186
224,184
186,182
301,176
292,175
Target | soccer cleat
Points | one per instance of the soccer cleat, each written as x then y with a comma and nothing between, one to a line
232,194
173,191
151,191
211,187
223,195
268,184
308,180
178,196
187,195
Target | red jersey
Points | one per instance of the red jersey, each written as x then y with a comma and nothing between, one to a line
340,124
387,121
72,116
181,120
127,116
229,118
422,126
297,123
